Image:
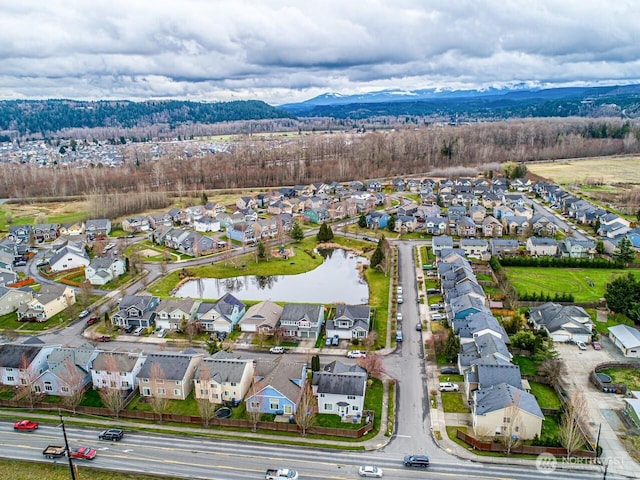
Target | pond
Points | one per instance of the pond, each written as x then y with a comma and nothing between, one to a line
336,280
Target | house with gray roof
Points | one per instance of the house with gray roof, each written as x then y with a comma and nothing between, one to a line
171,313
50,300
486,349
475,248
301,320
69,257
168,375
485,374
504,409
350,321
542,246
221,316
570,247
68,370
440,243
562,323
116,370
223,380
19,361
340,393
102,270
7,277
12,298
98,227
503,246
627,339
277,387
136,310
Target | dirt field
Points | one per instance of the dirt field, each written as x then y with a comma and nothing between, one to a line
605,170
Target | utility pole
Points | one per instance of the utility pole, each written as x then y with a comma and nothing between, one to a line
66,445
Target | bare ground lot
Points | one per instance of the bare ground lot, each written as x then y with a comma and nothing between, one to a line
605,170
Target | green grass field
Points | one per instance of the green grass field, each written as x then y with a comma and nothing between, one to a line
575,281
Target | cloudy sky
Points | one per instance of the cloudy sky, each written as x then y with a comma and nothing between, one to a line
284,51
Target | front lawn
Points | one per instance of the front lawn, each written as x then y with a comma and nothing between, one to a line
453,402
550,429
585,284
545,395
176,407
373,400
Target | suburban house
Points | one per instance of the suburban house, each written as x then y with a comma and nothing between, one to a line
206,224
221,380
69,257
117,370
67,370
136,224
170,313
570,247
49,301
168,375
221,316
44,232
159,219
241,232
503,409
562,323
435,225
627,339
542,246
20,364
135,310
12,298
340,390
100,227
350,321
475,248
490,371
72,228
277,387
503,246
102,270
261,318
440,243
302,320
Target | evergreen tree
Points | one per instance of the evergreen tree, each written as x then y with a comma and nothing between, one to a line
362,221
296,232
315,363
377,257
451,347
391,223
204,199
625,253
325,234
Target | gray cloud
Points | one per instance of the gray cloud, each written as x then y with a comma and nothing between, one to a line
286,50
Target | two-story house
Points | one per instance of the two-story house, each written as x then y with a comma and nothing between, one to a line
49,301
302,320
168,375
350,321
136,310
116,370
171,314
221,379
261,318
221,316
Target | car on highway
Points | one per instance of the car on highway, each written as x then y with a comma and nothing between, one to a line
421,461
596,345
370,471
84,453
581,345
356,354
448,387
26,425
113,434
276,350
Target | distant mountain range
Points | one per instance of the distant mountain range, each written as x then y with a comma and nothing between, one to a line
518,101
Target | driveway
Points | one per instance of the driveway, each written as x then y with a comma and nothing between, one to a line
601,406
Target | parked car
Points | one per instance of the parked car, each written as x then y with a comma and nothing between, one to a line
437,316
84,313
335,341
222,335
113,434
104,338
138,331
416,461
26,425
399,316
448,387
276,350
450,371
432,291
92,320
400,299
327,342
436,306
596,345
399,290
129,329
85,453
356,354
19,263
162,332
399,336
581,345
419,326
370,471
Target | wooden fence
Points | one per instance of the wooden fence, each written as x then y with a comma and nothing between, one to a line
214,422
495,446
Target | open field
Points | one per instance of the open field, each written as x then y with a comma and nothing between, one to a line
573,281
608,170
32,213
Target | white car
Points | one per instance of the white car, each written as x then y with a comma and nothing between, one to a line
399,316
581,345
356,354
276,350
437,316
448,387
370,471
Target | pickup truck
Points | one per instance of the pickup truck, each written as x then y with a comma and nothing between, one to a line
54,451
281,474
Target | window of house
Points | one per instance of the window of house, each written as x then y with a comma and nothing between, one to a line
37,389
322,395
177,392
351,397
48,387
204,391
234,384
161,391
10,379
274,404
145,380
146,391
216,396
64,389
354,408
159,381
125,384
506,420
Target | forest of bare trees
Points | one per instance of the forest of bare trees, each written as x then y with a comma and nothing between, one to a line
260,162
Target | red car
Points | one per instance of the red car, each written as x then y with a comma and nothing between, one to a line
85,453
104,338
596,346
92,320
27,425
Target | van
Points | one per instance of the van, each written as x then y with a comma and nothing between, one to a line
399,336
421,461
138,331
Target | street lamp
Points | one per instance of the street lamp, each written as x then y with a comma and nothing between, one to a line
66,445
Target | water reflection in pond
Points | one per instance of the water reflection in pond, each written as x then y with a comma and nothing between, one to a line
337,280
